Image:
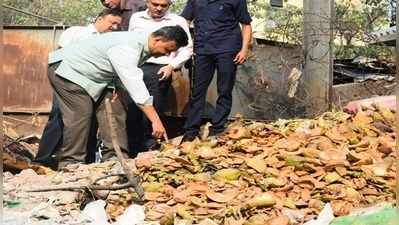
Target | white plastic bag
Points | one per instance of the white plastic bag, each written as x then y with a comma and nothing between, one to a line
325,217
95,212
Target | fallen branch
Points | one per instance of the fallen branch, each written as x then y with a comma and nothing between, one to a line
93,186
82,187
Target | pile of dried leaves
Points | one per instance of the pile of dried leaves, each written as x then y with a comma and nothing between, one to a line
277,173
256,173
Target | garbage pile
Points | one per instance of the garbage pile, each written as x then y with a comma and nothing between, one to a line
255,173
277,173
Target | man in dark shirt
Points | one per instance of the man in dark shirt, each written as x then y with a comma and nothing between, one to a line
128,7
219,44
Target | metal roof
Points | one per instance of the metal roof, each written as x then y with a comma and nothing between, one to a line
385,36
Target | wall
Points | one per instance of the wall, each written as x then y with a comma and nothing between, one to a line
260,91
25,84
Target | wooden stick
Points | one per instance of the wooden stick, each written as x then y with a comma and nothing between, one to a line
82,187
133,180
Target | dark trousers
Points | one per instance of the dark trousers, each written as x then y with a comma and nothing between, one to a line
139,127
77,109
204,70
51,139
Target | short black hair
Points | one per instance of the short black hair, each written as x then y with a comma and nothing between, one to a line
173,33
106,12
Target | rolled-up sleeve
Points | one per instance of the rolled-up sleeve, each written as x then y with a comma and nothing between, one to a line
241,12
184,53
188,11
125,61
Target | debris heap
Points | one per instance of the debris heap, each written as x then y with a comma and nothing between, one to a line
275,173
255,173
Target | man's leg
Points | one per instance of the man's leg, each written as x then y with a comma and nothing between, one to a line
92,140
119,114
159,90
134,126
76,108
52,133
203,73
226,76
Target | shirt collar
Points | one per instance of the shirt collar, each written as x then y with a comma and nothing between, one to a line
146,15
92,29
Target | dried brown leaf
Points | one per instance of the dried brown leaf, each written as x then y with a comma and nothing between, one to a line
222,197
257,163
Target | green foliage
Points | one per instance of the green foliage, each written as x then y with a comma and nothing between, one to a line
178,6
353,24
283,24
67,12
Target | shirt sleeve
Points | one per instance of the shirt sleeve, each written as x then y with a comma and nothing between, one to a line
184,53
188,11
131,23
125,60
65,38
241,12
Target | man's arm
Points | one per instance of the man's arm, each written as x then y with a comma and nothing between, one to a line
74,34
242,15
182,54
157,126
188,14
125,60
66,37
132,22
188,11
246,32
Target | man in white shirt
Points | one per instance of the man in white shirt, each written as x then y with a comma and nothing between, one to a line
108,20
158,71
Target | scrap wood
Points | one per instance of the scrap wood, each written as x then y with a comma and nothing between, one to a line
17,156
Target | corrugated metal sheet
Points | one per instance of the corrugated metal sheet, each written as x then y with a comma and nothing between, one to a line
25,84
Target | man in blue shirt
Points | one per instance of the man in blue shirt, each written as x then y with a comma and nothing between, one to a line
219,43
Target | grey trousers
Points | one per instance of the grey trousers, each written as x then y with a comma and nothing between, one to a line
77,108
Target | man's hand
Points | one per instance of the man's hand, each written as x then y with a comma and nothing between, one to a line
158,131
166,72
114,97
241,56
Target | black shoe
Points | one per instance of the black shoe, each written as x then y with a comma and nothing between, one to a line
188,138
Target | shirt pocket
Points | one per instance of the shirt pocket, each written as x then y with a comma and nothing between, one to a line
222,11
217,10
